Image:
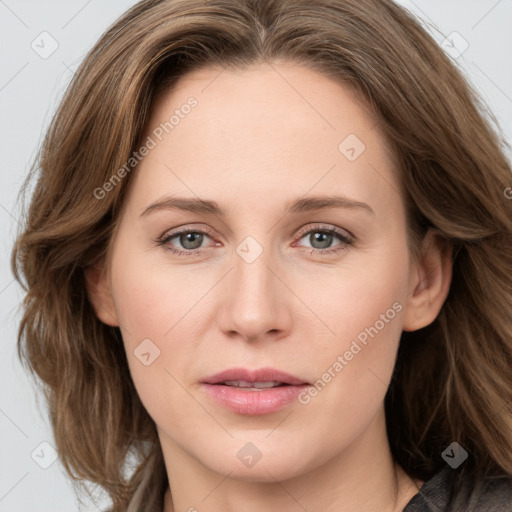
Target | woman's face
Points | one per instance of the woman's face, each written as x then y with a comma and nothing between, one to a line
296,261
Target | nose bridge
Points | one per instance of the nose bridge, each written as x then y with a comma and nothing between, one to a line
252,279
254,302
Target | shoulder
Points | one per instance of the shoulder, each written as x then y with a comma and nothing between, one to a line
488,495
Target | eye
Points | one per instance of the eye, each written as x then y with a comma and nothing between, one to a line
321,239
190,241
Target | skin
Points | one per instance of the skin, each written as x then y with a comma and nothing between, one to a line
261,137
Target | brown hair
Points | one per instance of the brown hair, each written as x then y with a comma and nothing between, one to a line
453,379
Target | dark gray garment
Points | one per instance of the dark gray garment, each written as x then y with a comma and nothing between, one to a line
492,495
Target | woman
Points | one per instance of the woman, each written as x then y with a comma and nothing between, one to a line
268,256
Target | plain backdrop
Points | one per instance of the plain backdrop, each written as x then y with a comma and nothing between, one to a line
31,85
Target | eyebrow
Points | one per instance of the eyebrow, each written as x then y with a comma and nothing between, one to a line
305,204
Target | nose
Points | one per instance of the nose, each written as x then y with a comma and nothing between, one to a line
255,302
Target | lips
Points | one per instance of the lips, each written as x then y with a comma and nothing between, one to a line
244,384
253,392
262,375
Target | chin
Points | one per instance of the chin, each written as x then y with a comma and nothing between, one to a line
249,464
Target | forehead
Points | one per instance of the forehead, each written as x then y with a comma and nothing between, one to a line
265,97
269,127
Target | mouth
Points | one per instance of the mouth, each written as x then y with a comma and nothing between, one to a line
253,386
260,378
253,392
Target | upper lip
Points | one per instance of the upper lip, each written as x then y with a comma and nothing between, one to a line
258,375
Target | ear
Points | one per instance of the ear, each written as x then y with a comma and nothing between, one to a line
100,295
430,282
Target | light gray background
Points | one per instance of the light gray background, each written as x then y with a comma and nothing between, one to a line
30,89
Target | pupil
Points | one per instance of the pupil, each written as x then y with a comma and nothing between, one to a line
191,238
324,239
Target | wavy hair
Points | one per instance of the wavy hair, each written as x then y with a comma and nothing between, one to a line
452,379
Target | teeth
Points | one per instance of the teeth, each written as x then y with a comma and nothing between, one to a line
246,384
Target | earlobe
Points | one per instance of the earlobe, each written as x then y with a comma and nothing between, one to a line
100,295
430,283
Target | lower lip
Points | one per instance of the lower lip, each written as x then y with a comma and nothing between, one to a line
264,401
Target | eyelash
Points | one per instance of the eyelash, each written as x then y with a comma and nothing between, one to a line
343,236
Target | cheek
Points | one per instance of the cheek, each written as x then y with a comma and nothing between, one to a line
152,298
154,305
159,345
357,296
362,307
